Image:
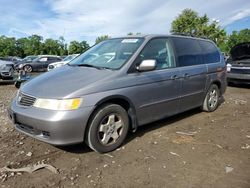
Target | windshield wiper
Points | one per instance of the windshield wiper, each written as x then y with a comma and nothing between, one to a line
88,65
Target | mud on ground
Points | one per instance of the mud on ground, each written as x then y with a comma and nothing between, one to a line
215,154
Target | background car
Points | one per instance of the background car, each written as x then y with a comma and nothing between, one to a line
6,70
29,58
238,65
39,64
63,62
13,59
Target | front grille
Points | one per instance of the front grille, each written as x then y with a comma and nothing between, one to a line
240,70
6,74
25,100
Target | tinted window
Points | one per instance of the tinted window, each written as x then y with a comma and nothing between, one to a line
52,58
159,50
188,51
42,59
210,52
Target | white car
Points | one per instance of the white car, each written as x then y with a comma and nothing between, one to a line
63,62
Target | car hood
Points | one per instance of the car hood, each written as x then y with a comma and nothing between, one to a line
240,51
6,62
66,82
2,63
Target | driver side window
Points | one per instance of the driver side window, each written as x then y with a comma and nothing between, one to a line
43,59
160,50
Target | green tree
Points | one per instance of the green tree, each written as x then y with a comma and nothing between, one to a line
7,46
21,45
130,33
51,47
34,46
189,22
78,47
101,38
63,46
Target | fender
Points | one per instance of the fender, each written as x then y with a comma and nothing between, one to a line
120,99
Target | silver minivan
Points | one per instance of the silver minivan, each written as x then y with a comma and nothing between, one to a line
118,85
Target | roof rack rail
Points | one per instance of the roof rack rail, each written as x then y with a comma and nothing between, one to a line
190,35
183,34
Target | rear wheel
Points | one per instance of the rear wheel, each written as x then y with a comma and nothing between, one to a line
211,100
108,128
28,68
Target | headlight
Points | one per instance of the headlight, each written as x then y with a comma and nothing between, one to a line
229,67
20,66
55,104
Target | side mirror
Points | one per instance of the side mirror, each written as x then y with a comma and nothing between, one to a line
147,65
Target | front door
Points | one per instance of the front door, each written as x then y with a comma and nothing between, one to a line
158,91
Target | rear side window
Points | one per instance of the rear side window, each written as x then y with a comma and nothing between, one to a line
43,59
188,52
210,52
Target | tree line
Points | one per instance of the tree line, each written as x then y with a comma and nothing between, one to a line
36,45
188,22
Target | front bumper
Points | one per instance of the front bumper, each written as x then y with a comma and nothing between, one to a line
6,75
241,78
53,127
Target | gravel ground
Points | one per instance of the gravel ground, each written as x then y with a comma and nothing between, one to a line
215,154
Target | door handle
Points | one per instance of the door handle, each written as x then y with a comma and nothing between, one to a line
174,77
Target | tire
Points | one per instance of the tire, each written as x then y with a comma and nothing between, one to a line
108,128
211,101
18,84
28,68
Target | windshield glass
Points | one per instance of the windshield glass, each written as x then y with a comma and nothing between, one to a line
29,58
36,59
70,57
110,54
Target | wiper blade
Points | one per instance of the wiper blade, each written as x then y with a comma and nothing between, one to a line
88,65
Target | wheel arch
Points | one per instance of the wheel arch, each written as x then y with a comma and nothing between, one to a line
123,101
217,83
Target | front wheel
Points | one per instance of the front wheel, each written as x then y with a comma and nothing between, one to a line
28,68
108,128
211,100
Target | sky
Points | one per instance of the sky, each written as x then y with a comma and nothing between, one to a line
87,19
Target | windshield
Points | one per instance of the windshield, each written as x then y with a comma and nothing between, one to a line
110,54
29,58
36,59
70,57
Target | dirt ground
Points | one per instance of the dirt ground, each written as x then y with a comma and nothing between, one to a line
215,154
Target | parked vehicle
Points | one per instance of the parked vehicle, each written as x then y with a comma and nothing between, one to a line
39,64
11,58
29,58
149,78
6,70
66,60
238,65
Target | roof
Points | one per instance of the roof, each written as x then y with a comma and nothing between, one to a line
149,36
48,56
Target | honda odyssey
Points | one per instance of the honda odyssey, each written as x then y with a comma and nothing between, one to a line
97,98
